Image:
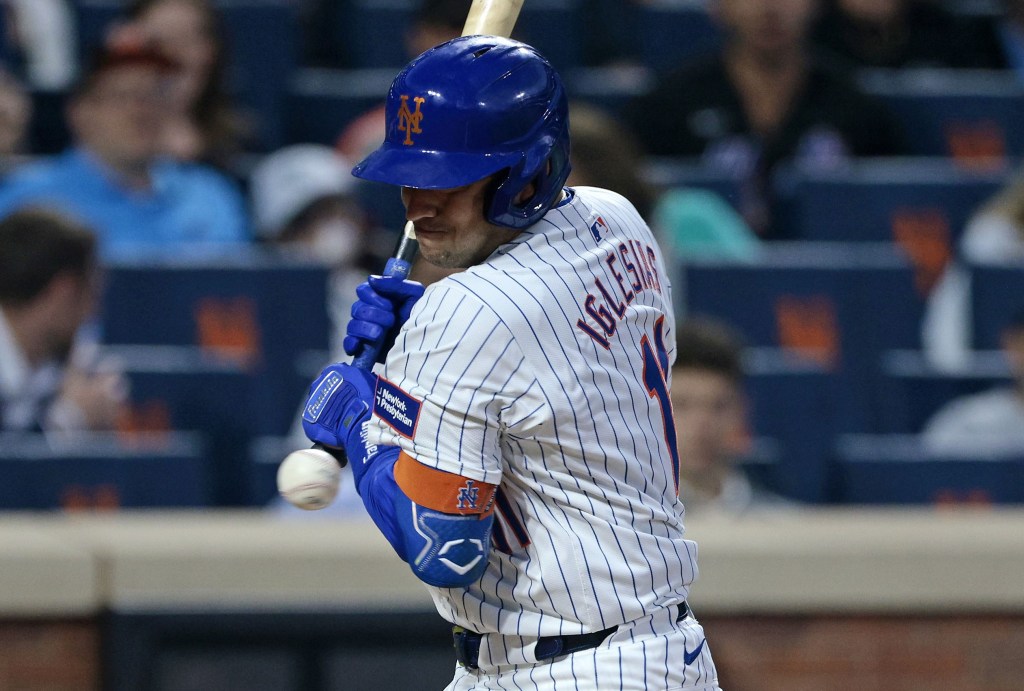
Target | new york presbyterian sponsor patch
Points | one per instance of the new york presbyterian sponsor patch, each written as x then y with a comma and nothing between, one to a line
395,407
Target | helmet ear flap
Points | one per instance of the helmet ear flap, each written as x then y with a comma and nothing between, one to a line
546,166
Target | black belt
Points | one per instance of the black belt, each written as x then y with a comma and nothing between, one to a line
467,643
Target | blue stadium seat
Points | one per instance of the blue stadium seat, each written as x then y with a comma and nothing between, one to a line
555,28
322,102
884,200
671,32
263,44
103,472
609,88
897,469
971,116
841,305
376,31
997,293
188,389
666,173
914,389
261,312
265,455
792,405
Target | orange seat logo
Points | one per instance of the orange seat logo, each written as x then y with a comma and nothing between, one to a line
924,236
230,328
979,144
808,326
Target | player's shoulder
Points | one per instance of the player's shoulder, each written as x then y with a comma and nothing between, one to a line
599,201
592,195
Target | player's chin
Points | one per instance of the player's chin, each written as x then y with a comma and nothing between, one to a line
443,257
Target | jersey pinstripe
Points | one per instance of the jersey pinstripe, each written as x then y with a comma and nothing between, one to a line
538,370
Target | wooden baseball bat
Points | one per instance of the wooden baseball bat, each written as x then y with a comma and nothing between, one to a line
399,265
492,17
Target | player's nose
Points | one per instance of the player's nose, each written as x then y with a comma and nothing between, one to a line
420,204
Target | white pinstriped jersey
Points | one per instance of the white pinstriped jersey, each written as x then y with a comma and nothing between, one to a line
544,371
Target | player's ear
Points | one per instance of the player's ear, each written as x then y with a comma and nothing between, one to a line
531,188
526,194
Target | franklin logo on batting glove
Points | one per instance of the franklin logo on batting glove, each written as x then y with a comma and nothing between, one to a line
337,407
318,399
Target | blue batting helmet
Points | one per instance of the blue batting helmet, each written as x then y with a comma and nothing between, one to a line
470,108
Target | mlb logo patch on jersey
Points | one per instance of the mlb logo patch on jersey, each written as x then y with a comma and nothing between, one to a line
597,227
395,407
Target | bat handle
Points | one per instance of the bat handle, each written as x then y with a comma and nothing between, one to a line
339,454
398,266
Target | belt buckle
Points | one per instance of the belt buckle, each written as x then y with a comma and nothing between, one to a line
467,647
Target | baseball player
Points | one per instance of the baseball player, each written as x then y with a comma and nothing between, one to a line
517,448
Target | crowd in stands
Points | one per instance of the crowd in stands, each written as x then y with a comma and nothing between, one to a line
147,138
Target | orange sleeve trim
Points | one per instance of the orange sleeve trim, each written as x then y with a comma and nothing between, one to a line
445,492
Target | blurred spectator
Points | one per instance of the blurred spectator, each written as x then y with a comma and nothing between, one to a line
15,112
434,22
605,154
994,235
1006,33
49,286
114,178
761,102
991,420
900,33
201,123
710,413
42,41
302,205
691,223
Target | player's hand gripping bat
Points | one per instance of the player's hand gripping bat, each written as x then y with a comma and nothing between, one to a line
488,18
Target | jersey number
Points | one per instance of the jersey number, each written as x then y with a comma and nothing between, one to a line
656,382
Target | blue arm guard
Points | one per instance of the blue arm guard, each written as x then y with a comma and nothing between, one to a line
444,550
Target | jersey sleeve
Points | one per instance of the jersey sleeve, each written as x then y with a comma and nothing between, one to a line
446,386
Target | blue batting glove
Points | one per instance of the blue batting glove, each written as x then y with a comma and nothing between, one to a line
340,402
384,304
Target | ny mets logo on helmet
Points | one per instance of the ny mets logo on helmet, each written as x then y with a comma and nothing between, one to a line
409,120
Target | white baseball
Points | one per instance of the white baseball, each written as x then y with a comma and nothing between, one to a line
309,478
